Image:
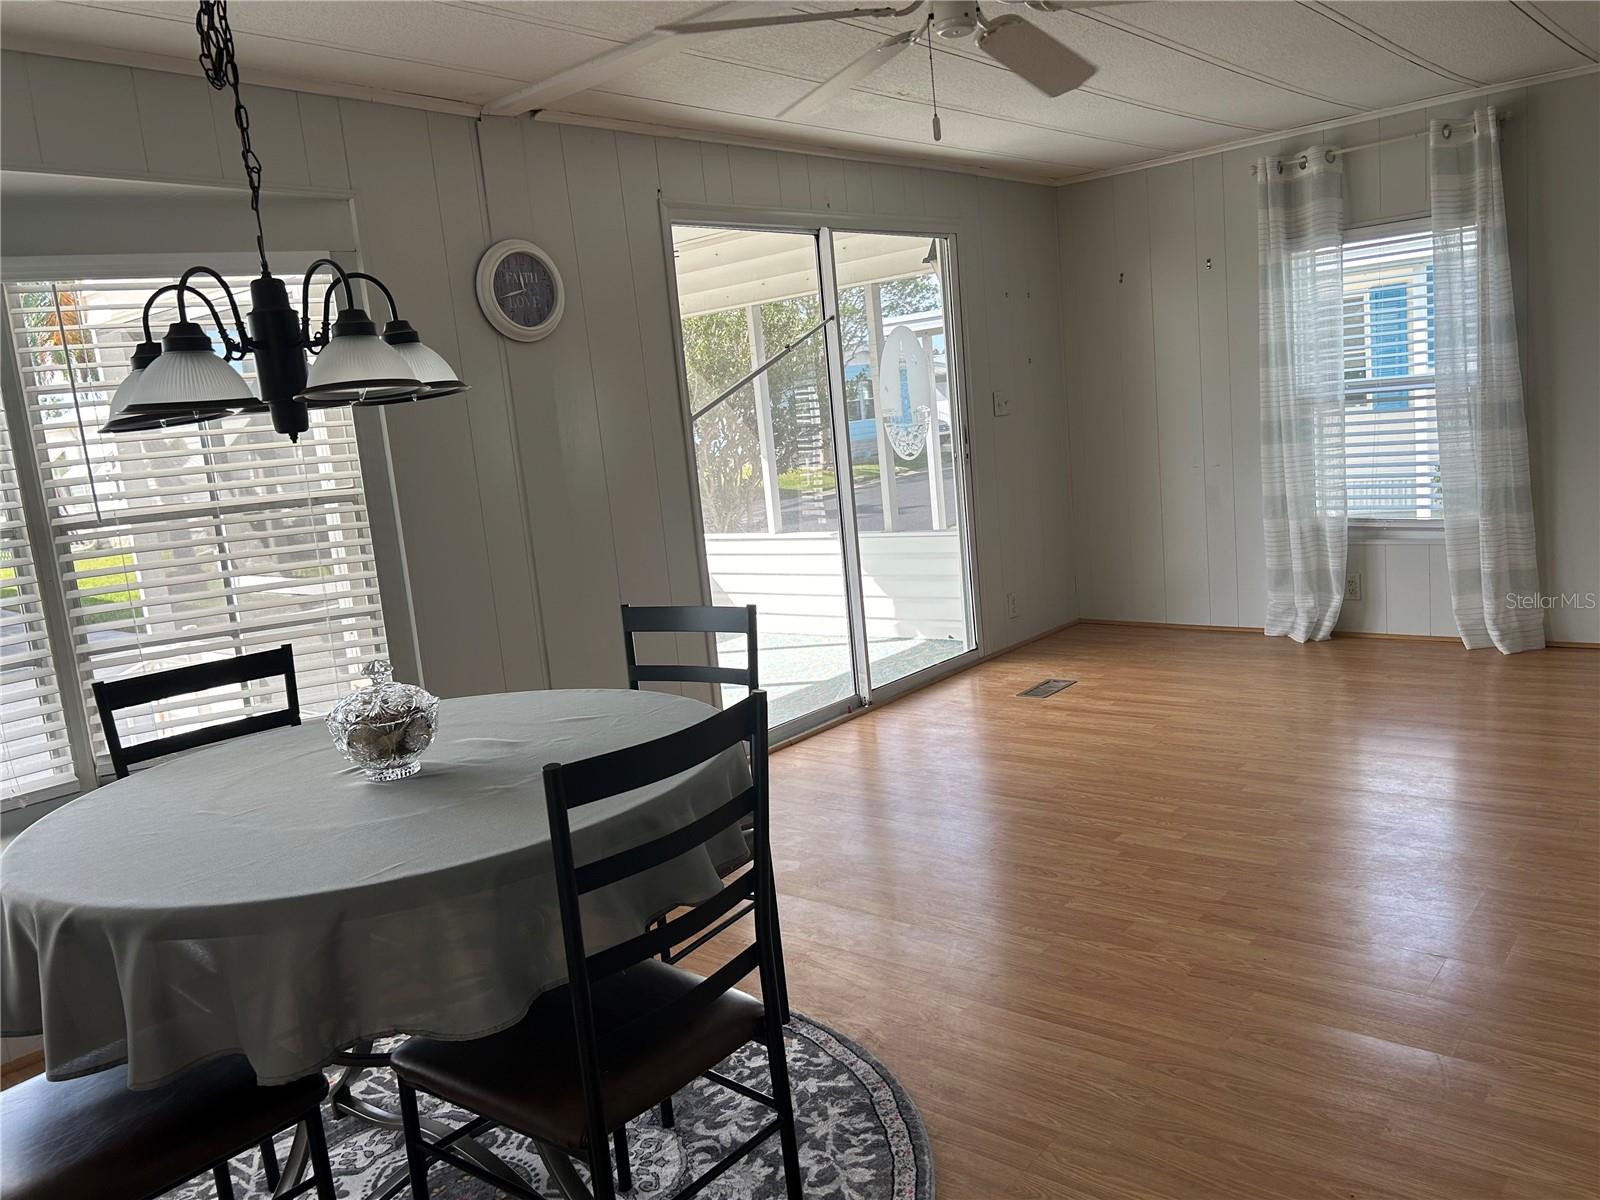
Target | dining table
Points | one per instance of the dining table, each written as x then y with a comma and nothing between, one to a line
263,898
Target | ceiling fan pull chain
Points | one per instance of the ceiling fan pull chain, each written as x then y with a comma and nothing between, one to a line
933,86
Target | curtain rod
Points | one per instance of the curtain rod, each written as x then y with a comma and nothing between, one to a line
1333,152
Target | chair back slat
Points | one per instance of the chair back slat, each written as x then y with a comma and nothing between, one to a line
684,618
570,785
619,771
626,863
114,696
690,618
653,942
194,738
688,673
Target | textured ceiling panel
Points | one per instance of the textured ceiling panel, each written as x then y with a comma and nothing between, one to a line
1133,67
1287,42
844,138
1577,20
729,88
1483,42
1173,77
617,20
78,26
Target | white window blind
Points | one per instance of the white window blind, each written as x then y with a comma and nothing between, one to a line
191,544
35,754
1391,430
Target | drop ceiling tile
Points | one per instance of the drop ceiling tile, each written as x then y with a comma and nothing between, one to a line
1134,68
666,115
1289,43
724,87
1578,19
980,85
1484,42
738,90
911,122
419,48
617,20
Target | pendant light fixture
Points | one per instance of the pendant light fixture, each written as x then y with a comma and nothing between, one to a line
184,380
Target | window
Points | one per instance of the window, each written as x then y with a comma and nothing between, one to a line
176,546
1391,432
35,756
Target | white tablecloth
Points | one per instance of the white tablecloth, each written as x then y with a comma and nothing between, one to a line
261,897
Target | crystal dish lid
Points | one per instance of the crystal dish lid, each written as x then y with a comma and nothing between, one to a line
386,700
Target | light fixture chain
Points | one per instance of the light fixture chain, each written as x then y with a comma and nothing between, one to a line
222,71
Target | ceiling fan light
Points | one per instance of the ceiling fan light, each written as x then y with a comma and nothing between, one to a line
186,376
358,367
954,22
438,376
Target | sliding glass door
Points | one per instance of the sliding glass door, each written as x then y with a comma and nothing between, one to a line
899,398
812,357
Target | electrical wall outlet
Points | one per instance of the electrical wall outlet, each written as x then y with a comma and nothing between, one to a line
1011,605
1002,404
1352,586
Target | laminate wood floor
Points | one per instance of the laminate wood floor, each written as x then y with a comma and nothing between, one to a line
1231,917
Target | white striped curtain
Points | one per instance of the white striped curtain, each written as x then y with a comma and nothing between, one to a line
1483,434
1299,219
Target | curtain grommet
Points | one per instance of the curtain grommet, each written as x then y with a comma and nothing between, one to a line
1304,162
1444,132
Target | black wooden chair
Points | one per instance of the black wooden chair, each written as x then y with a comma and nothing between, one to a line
689,618
627,1030
116,695
697,618
91,1136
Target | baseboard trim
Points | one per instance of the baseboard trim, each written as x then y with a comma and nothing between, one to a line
1448,639
1170,625
24,1066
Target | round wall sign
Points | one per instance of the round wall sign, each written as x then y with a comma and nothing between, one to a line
519,290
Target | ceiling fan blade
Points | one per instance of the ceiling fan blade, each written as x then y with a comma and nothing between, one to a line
840,83
799,18
1033,54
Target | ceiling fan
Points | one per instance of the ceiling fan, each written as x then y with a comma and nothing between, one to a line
1016,44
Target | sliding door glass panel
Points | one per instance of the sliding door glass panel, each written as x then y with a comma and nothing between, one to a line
902,404
750,305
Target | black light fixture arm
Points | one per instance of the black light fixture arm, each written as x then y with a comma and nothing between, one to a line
394,311
204,299
236,348
316,343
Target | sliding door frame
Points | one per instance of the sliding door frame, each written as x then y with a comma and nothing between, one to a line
821,225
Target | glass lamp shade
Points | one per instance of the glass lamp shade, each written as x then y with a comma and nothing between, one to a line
358,367
186,377
438,376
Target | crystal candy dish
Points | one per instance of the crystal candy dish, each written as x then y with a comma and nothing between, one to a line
385,727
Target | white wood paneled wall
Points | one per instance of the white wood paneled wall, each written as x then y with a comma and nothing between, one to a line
526,510
605,462
1160,300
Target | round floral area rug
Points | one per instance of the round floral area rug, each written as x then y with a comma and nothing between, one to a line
860,1136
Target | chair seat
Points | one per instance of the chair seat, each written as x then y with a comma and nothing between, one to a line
527,1077
91,1136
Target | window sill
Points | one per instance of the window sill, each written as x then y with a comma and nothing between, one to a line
1396,531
